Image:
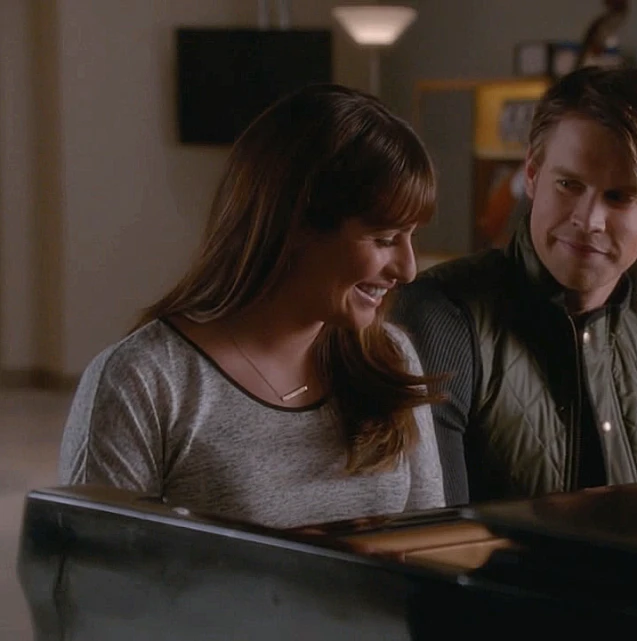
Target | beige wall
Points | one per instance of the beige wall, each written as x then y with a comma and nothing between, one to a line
100,207
17,195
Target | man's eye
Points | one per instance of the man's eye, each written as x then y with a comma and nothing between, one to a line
569,185
618,197
385,242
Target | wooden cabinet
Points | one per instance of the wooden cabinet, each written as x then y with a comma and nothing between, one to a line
502,109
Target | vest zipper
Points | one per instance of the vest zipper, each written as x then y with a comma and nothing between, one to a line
576,429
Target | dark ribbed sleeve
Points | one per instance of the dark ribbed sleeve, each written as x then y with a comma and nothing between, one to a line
441,332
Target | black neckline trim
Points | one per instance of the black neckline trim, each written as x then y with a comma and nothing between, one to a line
295,410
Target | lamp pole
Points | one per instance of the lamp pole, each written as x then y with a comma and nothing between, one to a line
374,71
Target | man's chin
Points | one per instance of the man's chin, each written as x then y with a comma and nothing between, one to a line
579,280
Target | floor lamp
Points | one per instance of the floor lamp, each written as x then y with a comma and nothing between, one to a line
374,27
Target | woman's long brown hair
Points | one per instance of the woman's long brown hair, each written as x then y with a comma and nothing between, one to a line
315,158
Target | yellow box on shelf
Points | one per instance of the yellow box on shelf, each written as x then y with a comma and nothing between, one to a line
502,111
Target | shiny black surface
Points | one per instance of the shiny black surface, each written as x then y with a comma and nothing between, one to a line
600,519
99,564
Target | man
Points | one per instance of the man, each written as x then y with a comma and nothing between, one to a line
539,340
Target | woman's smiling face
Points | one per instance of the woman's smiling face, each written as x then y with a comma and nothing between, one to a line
341,277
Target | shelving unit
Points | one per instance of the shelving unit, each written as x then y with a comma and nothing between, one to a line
501,111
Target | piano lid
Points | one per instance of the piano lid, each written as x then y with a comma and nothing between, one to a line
592,519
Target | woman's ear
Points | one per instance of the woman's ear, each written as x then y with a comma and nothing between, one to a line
300,239
307,235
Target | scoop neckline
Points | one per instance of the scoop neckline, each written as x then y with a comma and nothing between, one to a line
302,408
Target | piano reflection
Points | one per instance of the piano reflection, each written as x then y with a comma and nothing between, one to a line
103,564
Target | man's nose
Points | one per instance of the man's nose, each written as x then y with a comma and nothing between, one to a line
589,215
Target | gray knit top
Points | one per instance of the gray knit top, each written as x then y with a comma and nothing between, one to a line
155,414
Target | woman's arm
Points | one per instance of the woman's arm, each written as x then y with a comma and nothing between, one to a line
112,435
427,489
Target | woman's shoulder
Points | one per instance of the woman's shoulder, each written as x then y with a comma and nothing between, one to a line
398,335
149,349
404,343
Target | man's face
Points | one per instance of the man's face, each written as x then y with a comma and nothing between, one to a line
584,213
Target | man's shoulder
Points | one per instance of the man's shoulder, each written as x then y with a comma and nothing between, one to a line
472,275
468,268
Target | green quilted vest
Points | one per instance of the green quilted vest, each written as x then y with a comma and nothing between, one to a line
523,435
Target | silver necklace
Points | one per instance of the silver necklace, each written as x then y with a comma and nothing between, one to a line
285,397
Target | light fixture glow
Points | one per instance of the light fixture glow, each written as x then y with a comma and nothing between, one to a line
374,24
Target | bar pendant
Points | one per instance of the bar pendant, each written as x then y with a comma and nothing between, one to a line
294,393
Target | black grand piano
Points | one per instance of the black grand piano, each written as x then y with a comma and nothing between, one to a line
99,564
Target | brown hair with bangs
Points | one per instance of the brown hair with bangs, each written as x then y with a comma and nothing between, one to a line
315,158
606,95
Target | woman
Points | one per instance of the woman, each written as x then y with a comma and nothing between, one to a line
265,386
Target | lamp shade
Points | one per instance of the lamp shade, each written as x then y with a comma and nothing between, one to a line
374,24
